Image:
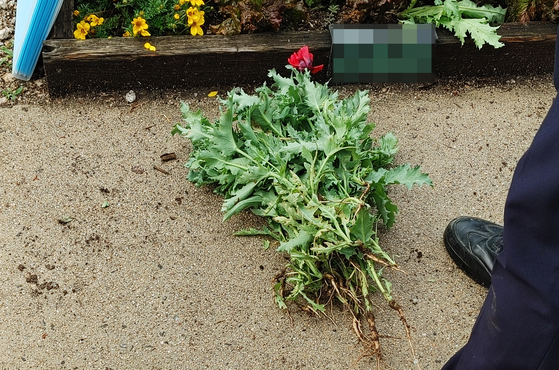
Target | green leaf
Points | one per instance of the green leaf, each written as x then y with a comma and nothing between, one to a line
238,195
223,139
385,208
253,201
407,176
462,17
302,240
254,232
480,31
363,227
493,15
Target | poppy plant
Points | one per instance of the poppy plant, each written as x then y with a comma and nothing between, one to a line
302,60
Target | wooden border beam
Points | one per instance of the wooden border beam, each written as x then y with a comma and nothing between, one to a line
121,64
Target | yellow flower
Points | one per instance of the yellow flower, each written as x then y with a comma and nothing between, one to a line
126,34
76,13
177,7
195,29
182,2
197,2
149,46
82,29
152,48
195,20
177,16
195,16
140,26
95,21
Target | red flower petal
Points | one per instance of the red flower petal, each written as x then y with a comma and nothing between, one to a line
317,68
302,59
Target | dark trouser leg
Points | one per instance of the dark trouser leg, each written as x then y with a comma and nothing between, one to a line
518,326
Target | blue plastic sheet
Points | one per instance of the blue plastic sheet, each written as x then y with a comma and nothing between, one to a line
34,20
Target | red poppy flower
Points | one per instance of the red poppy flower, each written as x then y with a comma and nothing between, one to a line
303,60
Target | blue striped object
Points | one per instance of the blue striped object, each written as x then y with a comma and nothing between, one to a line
34,20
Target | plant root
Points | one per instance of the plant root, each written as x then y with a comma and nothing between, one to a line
371,342
395,306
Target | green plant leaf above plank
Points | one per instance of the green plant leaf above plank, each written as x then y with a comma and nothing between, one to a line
461,17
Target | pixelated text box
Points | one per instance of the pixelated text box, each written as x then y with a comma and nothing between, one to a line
366,53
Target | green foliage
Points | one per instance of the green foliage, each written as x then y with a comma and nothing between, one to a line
9,55
460,17
332,11
302,158
12,94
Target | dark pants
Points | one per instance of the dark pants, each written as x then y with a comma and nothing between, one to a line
518,326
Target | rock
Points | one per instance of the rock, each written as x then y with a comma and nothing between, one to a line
130,96
8,78
6,33
3,101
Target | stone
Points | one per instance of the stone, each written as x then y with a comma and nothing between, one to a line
8,77
130,96
6,33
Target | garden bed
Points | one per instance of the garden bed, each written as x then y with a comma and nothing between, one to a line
121,64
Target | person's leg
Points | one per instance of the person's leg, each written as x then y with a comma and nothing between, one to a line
518,326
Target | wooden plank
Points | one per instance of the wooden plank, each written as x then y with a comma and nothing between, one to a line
179,62
214,61
63,27
529,50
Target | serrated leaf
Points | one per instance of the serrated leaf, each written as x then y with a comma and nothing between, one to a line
480,31
362,229
407,176
284,84
302,240
385,208
224,139
316,95
462,17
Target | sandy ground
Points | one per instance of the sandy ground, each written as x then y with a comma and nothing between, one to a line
157,281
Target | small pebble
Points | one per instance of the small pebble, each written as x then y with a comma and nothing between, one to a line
130,96
8,77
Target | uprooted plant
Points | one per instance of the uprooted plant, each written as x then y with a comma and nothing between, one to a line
302,158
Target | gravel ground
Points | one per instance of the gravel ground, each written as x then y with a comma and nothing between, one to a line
156,280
